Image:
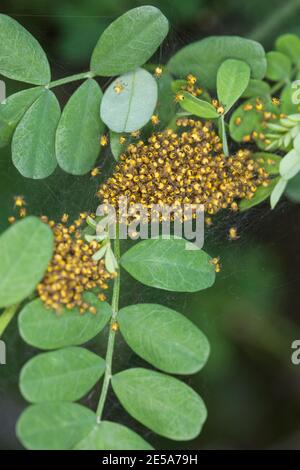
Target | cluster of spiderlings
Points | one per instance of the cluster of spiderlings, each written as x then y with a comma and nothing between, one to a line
183,168
19,205
72,270
265,116
190,86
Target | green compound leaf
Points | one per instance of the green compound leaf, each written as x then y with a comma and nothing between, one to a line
163,337
54,426
63,375
163,404
204,57
278,192
232,80
129,41
33,143
26,249
198,107
261,194
12,109
129,101
112,436
44,329
80,127
21,56
169,265
289,44
269,161
279,66
257,88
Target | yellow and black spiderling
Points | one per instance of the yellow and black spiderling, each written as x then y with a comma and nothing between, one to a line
191,86
19,201
186,167
72,270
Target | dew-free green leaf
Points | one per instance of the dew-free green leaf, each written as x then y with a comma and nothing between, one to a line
129,101
21,56
232,80
54,426
163,404
279,66
12,109
289,44
198,107
33,144
26,249
63,375
129,41
163,337
112,436
80,127
169,265
44,329
204,57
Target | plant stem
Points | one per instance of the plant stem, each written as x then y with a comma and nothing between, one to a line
223,135
111,337
7,316
277,86
71,78
271,24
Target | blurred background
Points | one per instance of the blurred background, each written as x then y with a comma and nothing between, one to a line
252,313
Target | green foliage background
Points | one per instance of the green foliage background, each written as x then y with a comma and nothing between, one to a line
251,315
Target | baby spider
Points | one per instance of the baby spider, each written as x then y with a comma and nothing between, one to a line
64,218
216,263
22,212
103,140
155,119
179,97
95,172
19,201
115,326
135,134
232,234
275,101
158,71
119,87
191,79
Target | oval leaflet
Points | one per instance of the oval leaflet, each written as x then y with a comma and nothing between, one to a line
112,436
129,101
54,426
163,404
129,41
169,265
164,337
44,329
33,144
27,249
63,375
79,129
